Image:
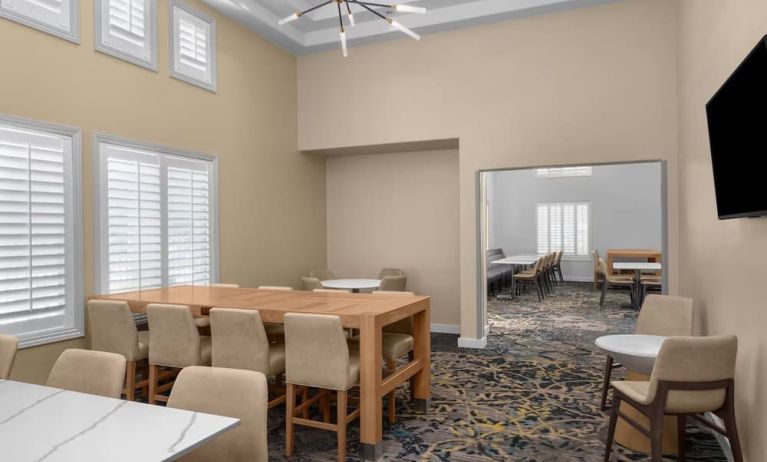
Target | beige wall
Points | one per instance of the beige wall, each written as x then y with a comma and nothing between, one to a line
592,85
723,262
272,214
398,210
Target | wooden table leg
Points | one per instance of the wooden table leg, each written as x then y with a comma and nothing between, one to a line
422,351
371,404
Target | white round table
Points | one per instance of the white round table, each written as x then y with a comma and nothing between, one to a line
637,352
355,285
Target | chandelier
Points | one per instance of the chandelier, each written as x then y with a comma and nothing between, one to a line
340,4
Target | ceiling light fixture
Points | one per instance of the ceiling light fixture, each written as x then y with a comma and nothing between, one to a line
350,16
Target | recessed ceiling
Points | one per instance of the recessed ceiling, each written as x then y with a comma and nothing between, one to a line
318,31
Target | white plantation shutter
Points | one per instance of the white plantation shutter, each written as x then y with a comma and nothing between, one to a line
38,275
563,227
193,47
57,17
564,172
127,29
157,219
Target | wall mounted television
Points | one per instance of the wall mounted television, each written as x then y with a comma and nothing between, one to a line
737,130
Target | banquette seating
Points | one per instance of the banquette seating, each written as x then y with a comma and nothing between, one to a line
498,276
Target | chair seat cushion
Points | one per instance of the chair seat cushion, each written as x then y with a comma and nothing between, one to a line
143,345
203,321
393,345
620,279
354,368
205,350
277,358
678,402
651,280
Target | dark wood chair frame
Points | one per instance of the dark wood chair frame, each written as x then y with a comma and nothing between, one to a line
656,411
609,366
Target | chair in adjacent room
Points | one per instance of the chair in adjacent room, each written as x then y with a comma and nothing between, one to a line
557,268
393,283
86,371
310,283
597,269
318,357
113,329
390,272
531,278
663,315
691,376
614,282
8,347
174,343
322,275
234,393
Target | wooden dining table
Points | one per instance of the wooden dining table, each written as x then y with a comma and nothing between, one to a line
368,313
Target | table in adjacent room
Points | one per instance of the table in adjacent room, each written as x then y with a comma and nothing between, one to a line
355,285
514,261
638,267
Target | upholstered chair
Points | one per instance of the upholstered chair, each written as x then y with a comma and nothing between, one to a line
174,343
611,281
597,269
390,272
229,392
318,357
663,315
113,329
322,275
532,277
393,283
239,341
204,321
691,376
310,283
8,347
94,372
557,269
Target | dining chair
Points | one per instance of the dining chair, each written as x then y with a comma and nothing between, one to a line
8,347
234,393
390,272
311,283
651,283
614,282
318,357
531,277
174,343
597,269
239,341
664,315
557,269
691,376
393,283
113,329
94,372
322,275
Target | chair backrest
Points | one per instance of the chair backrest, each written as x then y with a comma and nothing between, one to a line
113,328
403,326
173,337
393,283
492,255
8,347
239,340
602,266
695,359
322,275
285,288
666,315
86,371
559,256
390,272
232,393
595,255
316,352
310,283
226,286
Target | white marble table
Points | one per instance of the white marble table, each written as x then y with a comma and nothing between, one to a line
635,351
515,260
637,267
355,285
39,423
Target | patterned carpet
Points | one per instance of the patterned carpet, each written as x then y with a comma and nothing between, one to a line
531,396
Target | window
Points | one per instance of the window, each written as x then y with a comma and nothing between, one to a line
157,217
563,172
57,17
193,47
41,295
127,29
564,227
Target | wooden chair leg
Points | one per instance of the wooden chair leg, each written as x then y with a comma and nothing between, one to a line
391,364
611,426
341,412
130,380
606,382
325,406
604,292
656,435
152,383
730,426
681,429
290,405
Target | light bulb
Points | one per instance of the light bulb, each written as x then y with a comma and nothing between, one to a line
410,9
404,29
343,44
290,18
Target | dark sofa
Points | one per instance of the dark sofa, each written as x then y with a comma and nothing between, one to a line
498,276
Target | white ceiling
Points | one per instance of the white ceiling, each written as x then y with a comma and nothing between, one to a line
318,31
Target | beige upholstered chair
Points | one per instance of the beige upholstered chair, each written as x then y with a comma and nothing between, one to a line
283,288
393,283
204,321
310,283
557,268
692,375
94,372
614,282
239,341
322,275
662,315
174,343
8,347
531,277
597,269
232,393
317,356
113,329
390,272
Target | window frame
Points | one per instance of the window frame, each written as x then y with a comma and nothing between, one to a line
100,273
211,86
72,34
74,322
575,171
99,36
589,244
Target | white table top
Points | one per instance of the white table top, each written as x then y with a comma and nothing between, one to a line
351,284
39,423
517,260
637,265
636,352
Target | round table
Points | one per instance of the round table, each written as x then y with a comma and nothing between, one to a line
355,285
637,353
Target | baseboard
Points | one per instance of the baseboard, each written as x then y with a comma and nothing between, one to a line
446,328
724,443
487,330
465,342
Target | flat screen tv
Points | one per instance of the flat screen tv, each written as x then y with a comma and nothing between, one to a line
737,130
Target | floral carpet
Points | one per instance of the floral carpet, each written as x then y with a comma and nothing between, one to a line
531,396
